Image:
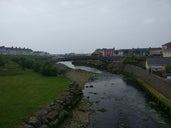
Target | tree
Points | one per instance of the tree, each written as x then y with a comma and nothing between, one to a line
36,67
168,68
2,62
48,69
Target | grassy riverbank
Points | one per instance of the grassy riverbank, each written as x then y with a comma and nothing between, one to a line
21,95
29,83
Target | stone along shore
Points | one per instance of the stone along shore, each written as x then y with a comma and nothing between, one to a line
71,111
55,113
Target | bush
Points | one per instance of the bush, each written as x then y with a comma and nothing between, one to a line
42,66
168,68
48,69
136,60
36,67
2,62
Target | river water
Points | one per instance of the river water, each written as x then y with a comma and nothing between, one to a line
118,104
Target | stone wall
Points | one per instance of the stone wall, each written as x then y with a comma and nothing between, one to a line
54,114
156,82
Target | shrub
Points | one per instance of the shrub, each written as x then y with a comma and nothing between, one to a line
48,69
36,67
42,66
168,68
136,60
2,62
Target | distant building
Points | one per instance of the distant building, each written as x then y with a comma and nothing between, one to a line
104,52
20,51
41,53
166,48
2,50
140,52
97,52
108,52
157,63
120,52
155,51
15,51
133,52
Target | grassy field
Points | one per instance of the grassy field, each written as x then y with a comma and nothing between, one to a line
21,95
9,69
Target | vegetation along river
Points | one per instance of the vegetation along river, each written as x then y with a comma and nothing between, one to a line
117,103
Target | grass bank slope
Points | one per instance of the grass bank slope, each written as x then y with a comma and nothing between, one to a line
21,95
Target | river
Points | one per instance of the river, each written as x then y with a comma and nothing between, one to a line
119,104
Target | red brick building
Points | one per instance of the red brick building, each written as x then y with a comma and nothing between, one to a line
108,52
104,52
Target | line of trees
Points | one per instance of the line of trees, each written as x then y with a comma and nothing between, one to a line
136,60
44,67
39,65
2,62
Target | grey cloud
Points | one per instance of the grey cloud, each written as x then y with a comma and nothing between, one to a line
84,25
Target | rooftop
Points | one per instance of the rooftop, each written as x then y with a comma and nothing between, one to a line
159,61
155,48
169,43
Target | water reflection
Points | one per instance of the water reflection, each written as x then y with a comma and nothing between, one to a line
70,65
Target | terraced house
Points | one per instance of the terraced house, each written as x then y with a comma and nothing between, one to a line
15,51
166,48
155,51
20,51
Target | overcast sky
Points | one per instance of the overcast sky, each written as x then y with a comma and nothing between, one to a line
81,26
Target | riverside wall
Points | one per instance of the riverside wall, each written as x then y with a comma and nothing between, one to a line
55,113
154,81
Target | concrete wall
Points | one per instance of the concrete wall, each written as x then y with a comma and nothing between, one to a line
167,53
54,114
157,83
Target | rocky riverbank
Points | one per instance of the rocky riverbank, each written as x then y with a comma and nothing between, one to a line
80,114
71,111
55,113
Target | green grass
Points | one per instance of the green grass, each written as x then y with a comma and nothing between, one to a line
10,68
22,95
